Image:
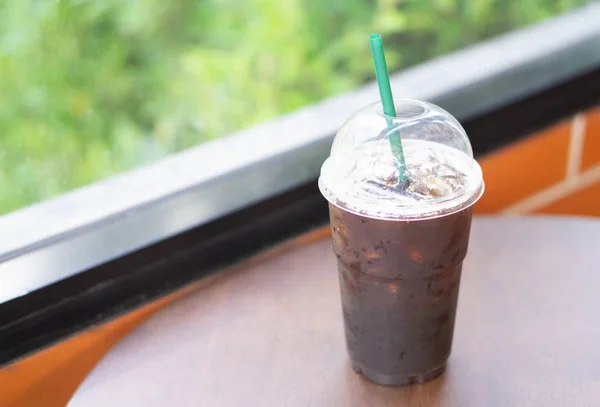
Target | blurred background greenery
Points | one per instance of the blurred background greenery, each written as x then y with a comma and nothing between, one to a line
91,88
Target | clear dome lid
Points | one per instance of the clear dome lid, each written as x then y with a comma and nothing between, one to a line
364,173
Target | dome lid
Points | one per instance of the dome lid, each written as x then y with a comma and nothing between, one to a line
364,174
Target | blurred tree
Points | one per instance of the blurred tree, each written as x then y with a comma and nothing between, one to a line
92,88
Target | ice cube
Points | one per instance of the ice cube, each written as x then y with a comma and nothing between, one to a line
455,182
417,188
437,186
385,172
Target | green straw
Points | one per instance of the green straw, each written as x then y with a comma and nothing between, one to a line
387,100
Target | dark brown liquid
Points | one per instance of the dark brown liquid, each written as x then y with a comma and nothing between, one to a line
399,284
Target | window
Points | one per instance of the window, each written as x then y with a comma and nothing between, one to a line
91,89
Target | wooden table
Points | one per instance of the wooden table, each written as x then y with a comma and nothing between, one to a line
527,332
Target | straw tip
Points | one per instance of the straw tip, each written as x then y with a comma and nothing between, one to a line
375,37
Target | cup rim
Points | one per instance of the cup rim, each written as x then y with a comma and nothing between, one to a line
464,200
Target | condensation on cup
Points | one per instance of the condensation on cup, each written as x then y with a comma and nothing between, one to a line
400,242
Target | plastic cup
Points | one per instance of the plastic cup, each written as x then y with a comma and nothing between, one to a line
400,248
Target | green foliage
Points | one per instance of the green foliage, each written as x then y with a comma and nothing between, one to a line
92,88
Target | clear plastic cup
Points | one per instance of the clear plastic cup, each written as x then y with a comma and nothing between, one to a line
400,245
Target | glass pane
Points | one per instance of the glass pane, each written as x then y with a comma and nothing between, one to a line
93,88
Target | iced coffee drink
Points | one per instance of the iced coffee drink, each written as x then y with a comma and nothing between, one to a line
400,243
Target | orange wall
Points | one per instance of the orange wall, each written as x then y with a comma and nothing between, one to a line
554,171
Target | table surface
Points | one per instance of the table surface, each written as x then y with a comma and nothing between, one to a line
527,332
